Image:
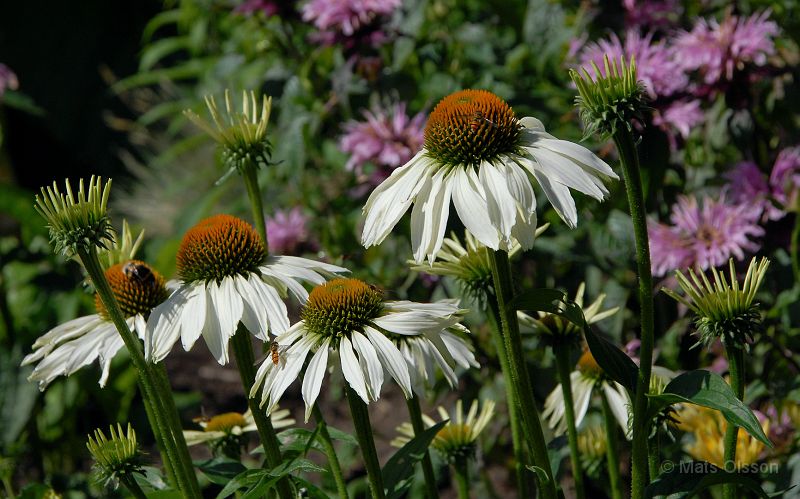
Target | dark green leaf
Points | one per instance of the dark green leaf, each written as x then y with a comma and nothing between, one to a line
400,467
540,300
220,470
299,440
311,490
687,479
164,494
707,389
34,491
244,480
337,434
296,465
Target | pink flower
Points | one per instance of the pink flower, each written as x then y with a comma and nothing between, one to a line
250,7
703,235
747,184
655,62
785,179
718,49
651,13
681,116
387,139
337,19
286,231
8,79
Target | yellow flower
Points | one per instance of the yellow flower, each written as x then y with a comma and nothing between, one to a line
707,428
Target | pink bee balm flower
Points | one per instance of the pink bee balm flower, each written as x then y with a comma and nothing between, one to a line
785,179
717,49
346,16
655,61
703,234
286,230
8,79
651,13
747,184
681,116
386,139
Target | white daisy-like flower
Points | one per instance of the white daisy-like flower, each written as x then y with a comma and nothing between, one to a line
349,319
587,377
227,277
480,156
458,438
229,424
79,342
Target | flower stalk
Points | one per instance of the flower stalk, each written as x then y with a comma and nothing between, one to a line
330,451
735,355
612,449
609,104
461,473
519,380
415,413
360,415
561,350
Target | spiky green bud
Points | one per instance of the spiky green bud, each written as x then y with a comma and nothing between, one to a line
724,310
77,222
116,458
614,98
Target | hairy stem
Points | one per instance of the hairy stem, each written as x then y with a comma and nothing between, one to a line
250,177
612,449
563,367
360,414
629,159
736,372
461,472
532,425
330,451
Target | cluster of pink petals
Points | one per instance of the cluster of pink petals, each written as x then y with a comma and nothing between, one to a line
775,195
387,139
703,234
784,180
656,64
8,79
651,13
286,231
346,16
250,7
718,49
680,116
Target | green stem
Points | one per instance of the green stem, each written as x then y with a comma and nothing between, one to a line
563,367
612,449
133,487
653,456
360,414
151,417
245,361
9,488
520,456
415,412
250,177
532,425
169,434
461,469
736,372
333,459
629,159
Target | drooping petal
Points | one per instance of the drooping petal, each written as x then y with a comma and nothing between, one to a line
312,381
370,365
561,199
472,208
502,208
352,370
391,358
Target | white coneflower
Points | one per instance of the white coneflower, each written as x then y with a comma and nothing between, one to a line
223,432
457,439
79,342
350,318
587,377
480,155
227,277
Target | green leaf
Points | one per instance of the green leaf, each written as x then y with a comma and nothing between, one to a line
614,362
399,470
687,479
299,440
296,465
220,470
707,389
311,490
245,479
164,494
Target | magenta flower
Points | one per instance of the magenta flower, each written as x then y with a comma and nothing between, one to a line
747,184
655,62
718,49
680,116
651,13
286,231
337,19
8,79
250,7
703,235
785,179
387,139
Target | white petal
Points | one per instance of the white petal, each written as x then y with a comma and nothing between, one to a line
581,395
560,169
470,202
164,325
213,330
193,318
370,364
312,381
288,372
459,350
519,185
502,208
254,316
391,358
429,216
618,401
561,199
390,200
352,370
413,322
579,154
